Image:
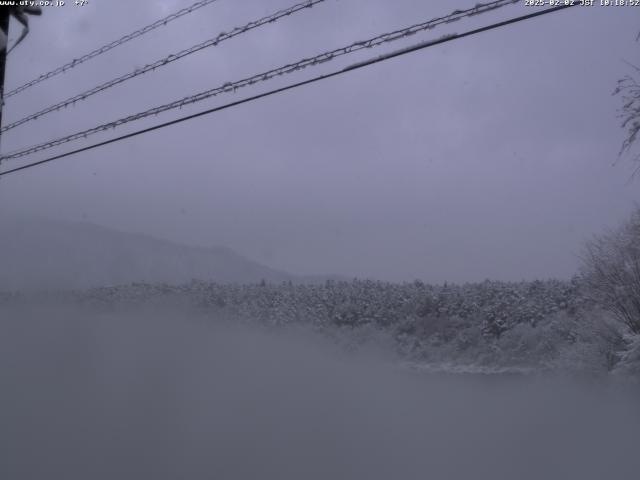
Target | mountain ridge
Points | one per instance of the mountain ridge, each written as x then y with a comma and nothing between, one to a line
43,254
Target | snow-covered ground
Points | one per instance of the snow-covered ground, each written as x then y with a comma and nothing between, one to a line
461,369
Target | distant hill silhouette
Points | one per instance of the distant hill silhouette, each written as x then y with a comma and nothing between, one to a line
46,254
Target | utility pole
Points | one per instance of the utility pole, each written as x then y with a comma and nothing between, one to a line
5,15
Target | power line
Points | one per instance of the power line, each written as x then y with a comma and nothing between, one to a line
105,48
5,17
264,76
381,58
212,42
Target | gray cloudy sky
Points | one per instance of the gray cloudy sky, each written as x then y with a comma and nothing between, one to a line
489,156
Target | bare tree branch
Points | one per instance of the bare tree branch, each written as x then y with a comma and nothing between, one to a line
611,269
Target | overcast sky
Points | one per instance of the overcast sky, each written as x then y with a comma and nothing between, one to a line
486,157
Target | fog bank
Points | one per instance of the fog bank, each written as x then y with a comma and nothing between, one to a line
133,395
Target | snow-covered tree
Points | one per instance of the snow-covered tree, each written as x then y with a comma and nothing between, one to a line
629,89
612,271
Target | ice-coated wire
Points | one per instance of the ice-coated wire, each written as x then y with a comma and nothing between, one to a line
381,58
109,46
264,76
212,42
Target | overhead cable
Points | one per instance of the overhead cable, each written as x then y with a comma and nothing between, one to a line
264,76
109,46
163,62
381,58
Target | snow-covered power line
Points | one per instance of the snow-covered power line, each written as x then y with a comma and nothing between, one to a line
397,53
212,42
264,76
109,46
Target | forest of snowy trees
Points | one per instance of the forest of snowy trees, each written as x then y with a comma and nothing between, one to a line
587,324
487,326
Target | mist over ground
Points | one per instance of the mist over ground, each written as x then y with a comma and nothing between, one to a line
165,393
